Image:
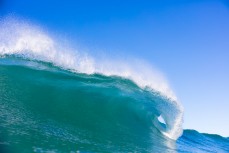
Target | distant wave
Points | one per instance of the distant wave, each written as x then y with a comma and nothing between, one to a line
193,141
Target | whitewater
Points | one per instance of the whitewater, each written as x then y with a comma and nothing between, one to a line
55,98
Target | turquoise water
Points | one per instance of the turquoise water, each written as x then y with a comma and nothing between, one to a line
54,98
45,108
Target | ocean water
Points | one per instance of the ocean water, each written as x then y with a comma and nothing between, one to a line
47,109
56,99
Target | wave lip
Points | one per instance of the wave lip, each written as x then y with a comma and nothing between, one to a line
30,42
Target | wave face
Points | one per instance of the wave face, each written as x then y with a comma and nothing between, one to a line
46,108
54,98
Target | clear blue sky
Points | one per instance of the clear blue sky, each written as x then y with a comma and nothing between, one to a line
188,40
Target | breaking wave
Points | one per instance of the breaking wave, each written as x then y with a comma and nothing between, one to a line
61,93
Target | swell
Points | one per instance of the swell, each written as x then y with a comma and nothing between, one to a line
193,141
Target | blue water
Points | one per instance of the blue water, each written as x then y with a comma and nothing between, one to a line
193,141
54,99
